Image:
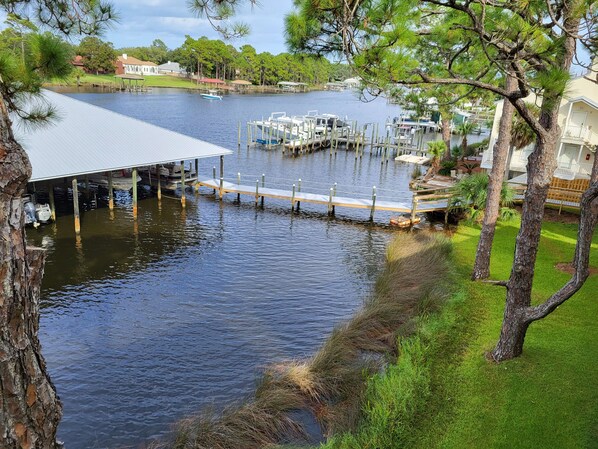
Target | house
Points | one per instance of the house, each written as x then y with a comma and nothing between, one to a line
130,65
171,68
576,149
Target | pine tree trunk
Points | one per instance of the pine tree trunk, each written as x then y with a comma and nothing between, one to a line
500,152
29,407
540,168
541,165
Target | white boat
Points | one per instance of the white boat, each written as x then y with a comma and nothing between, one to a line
280,126
121,180
170,176
211,95
36,213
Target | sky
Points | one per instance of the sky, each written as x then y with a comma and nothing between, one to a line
140,22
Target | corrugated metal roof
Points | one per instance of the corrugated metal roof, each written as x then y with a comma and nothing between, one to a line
89,139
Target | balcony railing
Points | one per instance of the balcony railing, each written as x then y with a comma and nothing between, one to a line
580,134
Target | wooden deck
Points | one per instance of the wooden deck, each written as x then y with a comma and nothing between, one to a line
427,203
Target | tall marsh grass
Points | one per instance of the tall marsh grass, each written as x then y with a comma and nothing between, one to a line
332,384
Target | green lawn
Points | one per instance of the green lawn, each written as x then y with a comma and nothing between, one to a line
548,398
444,393
150,81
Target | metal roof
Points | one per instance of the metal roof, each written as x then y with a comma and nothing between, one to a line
89,139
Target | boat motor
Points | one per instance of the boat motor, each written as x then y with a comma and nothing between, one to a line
30,217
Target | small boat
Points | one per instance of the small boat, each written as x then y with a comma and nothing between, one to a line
403,221
211,95
36,213
170,176
121,180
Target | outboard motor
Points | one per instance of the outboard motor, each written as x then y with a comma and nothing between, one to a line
43,213
29,209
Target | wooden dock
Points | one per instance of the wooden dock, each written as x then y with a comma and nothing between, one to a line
420,203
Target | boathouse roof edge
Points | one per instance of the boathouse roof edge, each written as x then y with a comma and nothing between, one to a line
89,139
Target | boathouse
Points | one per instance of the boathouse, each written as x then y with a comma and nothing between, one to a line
87,139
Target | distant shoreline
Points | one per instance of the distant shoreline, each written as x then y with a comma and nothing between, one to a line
109,82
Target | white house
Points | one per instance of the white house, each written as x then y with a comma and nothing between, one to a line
171,68
130,65
578,119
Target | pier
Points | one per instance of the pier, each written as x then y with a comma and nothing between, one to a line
297,136
426,201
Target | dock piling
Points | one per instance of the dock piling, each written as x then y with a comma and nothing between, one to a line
52,202
373,203
159,179
299,190
76,207
293,199
414,208
110,191
134,179
214,177
257,192
330,201
183,198
197,172
221,191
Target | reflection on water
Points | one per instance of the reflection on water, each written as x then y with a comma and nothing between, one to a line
144,322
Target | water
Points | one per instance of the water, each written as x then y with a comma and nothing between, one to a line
143,323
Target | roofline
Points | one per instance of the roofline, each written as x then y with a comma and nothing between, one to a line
585,100
83,173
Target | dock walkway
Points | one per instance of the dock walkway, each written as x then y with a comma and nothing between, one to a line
428,203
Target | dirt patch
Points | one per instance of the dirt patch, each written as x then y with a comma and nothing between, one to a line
566,267
553,216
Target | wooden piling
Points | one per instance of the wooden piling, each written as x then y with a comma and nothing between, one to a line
214,177
413,208
183,197
257,192
221,191
222,166
299,190
248,134
293,199
110,191
158,167
263,185
239,135
52,202
330,210
134,179
238,183
373,203
76,207
197,171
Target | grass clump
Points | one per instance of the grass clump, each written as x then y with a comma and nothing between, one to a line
332,385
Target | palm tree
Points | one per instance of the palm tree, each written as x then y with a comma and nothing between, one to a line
521,134
436,149
471,192
465,129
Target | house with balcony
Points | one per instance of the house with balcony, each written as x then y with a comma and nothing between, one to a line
576,149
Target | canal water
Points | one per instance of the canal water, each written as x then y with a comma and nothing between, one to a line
146,322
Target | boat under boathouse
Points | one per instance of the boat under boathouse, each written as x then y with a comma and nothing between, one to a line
87,140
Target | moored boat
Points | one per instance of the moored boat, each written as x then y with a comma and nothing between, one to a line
211,95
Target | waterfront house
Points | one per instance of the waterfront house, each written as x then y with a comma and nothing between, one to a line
576,149
171,68
129,65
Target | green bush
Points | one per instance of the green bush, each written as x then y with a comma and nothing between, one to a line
446,167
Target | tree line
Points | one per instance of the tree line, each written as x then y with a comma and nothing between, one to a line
211,58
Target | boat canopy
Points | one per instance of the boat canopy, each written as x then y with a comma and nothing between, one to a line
88,139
